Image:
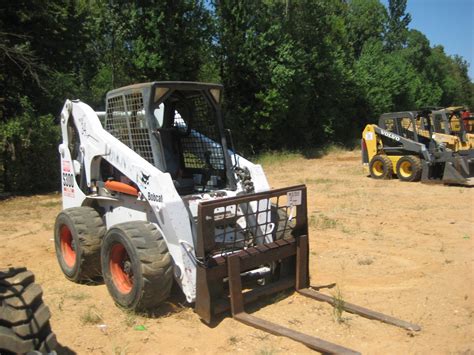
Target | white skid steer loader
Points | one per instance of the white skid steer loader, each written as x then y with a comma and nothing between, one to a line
152,195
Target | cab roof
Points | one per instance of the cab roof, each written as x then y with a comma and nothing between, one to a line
186,85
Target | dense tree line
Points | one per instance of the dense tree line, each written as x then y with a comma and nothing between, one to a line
297,73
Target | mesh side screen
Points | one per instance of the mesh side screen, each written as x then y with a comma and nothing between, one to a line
126,121
202,146
116,121
243,225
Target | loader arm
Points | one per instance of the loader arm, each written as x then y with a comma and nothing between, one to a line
402,143
156,192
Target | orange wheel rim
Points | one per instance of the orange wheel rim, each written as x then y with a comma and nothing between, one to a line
68,248
121,268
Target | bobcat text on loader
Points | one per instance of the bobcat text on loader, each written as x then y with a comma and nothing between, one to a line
153,195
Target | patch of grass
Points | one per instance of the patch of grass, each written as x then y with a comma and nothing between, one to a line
335,148
347,230
353,171
48,226
319,152
91,316
260,335
365,261
61,304
272,158
325,222
266,351
233,340
120,350
79,296
50,204
130,318
295,321
320,181
338,309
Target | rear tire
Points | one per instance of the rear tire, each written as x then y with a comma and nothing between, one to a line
78,235
136,265
409,168
381,167
24,318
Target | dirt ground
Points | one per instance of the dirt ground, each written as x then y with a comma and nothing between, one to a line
405,249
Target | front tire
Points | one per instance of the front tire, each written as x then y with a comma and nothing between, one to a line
381,167
78,234
136,265
409,168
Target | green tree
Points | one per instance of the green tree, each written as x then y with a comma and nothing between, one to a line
451,75
382,79
285,73
397,25
167,39
245,44
27,141
366,20
41,59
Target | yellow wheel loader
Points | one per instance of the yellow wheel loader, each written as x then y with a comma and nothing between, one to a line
448,124
398,146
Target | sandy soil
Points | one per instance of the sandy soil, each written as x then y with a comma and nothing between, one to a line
405,249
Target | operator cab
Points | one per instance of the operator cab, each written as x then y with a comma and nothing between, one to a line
177,127
449,121
403,124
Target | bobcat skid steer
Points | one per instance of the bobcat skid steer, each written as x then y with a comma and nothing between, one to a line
153,195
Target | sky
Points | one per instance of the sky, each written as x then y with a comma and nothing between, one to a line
445,22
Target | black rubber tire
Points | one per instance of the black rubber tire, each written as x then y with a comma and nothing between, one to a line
381,167
24,318
147,261
87,230
409,168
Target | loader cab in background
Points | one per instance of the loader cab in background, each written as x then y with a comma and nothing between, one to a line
450,122
177,127
448,127
403,124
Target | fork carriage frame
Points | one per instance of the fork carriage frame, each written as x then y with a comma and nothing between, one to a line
213,270
210,298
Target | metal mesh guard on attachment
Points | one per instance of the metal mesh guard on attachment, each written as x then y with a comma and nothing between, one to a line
233,224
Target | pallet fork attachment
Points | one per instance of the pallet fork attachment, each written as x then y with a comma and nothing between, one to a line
226,269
